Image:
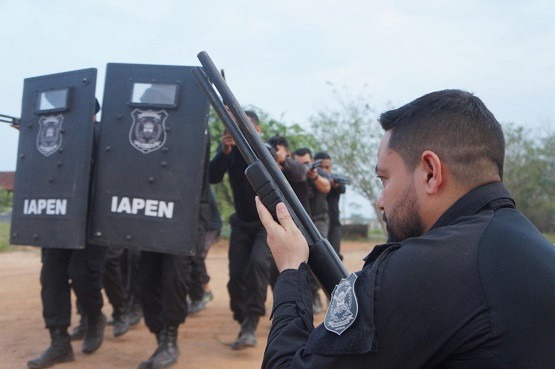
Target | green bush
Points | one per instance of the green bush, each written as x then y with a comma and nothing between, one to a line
4,236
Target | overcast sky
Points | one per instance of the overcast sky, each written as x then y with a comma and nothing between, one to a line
280,55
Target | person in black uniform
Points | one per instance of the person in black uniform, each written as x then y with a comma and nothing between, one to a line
130,274
114,287
63,269
199,289
295,173
112,280
466,281
319,186
337,189
163,287
249,255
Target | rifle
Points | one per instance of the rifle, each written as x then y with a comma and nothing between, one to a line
315,164
264,175
9,119
338,178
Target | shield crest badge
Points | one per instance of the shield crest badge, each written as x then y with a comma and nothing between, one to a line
343,308
49,138
148,131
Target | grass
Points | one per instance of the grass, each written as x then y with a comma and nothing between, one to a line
4,236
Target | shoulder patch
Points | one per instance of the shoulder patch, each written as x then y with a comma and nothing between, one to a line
343,308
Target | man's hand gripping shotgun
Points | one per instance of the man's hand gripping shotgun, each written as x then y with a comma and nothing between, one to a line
264,175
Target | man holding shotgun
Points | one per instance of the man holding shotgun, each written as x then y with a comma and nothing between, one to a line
249,256
466,281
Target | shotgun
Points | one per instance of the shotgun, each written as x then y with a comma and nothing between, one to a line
264,175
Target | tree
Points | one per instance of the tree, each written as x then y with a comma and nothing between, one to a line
350,133
530,174
6,198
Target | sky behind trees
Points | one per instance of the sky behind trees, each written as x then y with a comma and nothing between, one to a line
281,55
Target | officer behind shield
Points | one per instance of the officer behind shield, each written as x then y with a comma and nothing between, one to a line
163,285
467,281
83,268
200,293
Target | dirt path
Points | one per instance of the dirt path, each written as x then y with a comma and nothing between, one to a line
203,339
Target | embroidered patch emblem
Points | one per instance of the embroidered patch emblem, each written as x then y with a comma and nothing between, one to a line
148,131
343,308
49,138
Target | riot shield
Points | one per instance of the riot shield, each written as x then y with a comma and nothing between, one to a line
150,159
54,158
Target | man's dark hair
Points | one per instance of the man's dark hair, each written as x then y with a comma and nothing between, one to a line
322,155
454,124
274,141
303,151
252,114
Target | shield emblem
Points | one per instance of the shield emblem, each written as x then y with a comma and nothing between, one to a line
343,308
49,138
148,131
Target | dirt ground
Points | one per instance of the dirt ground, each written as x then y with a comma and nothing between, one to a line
203,340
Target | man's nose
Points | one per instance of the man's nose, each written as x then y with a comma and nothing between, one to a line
380,202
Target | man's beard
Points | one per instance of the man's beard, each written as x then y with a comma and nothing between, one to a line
404,222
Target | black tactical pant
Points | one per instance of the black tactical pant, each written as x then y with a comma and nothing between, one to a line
130,272
84,269
249,262
334,237
205,238
113,281
163,283
200,275
322,224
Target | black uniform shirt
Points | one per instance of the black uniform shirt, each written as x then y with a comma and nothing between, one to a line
317,199
243,194
476,291
333,203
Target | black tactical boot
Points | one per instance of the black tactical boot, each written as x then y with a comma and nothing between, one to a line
167,351
94,333
134,312
198,305
79,332
121,324
147,364
60,350
247,336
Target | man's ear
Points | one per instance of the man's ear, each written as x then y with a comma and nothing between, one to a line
432,170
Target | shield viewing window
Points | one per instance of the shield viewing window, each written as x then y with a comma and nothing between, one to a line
52,101
162,95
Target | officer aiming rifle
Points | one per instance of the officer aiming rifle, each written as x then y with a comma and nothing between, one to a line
337,178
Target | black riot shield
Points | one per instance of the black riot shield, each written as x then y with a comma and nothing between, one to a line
150,159
54,158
